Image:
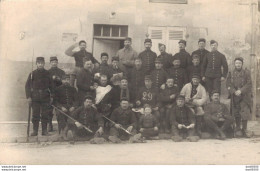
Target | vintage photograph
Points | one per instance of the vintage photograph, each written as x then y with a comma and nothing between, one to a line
130,82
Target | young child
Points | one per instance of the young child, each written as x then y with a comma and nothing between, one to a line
148,124
178,74
167,98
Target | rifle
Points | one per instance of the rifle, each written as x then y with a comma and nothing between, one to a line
120,125
30,106
89,130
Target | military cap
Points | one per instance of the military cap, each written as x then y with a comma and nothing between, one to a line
147,77
53,58
147,106
104,54
115,58
128,38
147,41
161,44
213,41
169,77
124,78
40,59
176,58
82,41
65,76
215,91
202,40
239,59
180,97
182,41
158,60
195,76
89,97
123,99
195,56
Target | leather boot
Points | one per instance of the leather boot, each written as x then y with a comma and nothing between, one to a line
50,127
35,129
44,129
238,132
246,133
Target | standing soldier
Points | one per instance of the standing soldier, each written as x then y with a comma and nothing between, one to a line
148,56
211,68
56,75
164,56
239,85
183,55
80,57
66,99
201,52
38,89
126,55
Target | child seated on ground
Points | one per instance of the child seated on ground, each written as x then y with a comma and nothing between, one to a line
148,124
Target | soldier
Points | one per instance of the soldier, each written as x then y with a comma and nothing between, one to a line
89,117
195,98
239,85
148,124
158,75
126,55
148,56
56,75
182,120
164,56
66,99
136,79
195,67
85,81
39,90
201,52
167,99
104,68
124,117
117,73
217,116
80,57
178,74
211,68
183,55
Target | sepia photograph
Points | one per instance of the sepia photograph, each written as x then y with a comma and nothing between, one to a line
129,82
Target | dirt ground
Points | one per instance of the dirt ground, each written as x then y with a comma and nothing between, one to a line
209,152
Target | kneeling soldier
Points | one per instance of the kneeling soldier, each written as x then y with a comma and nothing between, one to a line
66,99
148,124
124,122
182,120
89,117
217,116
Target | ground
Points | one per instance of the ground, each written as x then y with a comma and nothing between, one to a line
232,151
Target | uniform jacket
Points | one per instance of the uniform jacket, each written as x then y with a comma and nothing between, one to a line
199,99
82,56
181,115
58,73
216,109
148,121
191,69
123,117
127,56
166,93
212,63
158,77
148,96
148,59
184,56
179,75
85,79
166,59
201,52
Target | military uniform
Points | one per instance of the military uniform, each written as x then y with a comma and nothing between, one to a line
85,79
125,118
126,58
201,53
65,96
136,80
211,69
39,87
104,69
88,117
166,60
148,122
179,75
148,59
184,56
240,105
158,77
182,115
191,69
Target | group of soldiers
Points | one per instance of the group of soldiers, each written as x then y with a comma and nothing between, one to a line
141,94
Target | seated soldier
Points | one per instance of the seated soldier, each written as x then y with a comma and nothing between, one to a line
88,116
195,97
217,116
124,122
66,99
167,97
158,75
182,120
116,72
149,95
148,124
195,68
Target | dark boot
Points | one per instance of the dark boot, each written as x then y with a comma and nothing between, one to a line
35,129
245,132
44,129
50,127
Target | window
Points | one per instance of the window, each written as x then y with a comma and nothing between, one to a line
110,31
170,1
